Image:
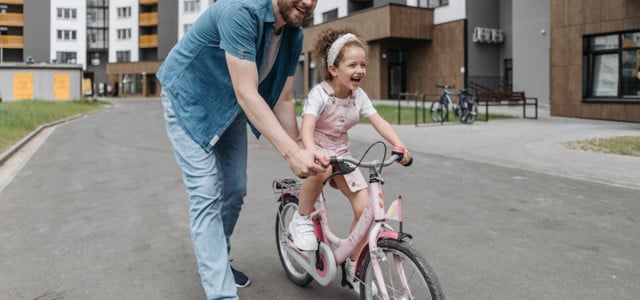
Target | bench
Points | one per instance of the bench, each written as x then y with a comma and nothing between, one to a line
504,98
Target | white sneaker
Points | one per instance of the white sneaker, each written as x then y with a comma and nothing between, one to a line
350,267
301,231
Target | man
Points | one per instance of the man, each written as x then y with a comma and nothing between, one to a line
235,63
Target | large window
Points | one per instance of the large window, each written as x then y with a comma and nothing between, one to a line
123,56
330,15
66,57
124,12
610,65
124,34
192,6
66,35
67,13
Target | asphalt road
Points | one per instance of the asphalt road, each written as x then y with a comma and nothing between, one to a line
99,212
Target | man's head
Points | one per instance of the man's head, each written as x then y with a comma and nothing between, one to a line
294,12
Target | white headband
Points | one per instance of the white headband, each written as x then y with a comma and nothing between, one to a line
337,46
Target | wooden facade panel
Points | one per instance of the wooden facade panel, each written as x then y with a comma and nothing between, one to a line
558,56
574,11
570,21
556,15
614,9
593,11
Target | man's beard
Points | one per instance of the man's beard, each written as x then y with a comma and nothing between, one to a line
284,9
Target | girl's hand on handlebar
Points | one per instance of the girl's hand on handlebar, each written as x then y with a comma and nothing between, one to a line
406,159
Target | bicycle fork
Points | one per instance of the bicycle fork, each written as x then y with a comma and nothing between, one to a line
377,255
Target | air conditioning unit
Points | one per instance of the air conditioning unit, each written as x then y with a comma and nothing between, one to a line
477,35
497,36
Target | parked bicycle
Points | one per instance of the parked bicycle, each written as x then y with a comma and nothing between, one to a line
387,267
466,110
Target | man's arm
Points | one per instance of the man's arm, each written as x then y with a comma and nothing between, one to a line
244,76
285,110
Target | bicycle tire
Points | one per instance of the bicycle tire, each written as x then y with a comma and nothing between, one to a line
472,112
295,272
422,280
438,111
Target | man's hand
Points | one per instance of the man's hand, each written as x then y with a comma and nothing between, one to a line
305,163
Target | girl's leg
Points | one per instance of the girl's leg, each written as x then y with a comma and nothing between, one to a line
301,226
359,201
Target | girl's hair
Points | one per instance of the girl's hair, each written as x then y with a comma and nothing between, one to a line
324,40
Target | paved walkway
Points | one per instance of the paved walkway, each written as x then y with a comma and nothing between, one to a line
535,145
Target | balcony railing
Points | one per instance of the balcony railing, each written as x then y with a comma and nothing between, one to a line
11,19
12,41
149,41
12,2
149,19
145,2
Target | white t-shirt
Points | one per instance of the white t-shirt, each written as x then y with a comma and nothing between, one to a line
321,93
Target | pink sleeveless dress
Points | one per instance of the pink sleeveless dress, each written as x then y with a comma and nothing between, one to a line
330,134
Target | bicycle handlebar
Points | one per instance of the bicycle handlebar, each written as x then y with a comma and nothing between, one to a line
340,161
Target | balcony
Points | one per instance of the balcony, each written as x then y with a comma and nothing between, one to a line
12,2
144,2
149,41
11,19
148,19
12,41
384,22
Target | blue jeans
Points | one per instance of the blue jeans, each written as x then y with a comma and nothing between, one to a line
216,184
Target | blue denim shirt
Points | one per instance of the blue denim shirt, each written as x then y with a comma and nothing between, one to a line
195,73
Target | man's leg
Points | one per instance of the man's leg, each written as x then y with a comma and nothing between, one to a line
232,151
201,174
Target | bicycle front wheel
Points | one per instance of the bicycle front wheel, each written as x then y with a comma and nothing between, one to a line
402,265
295,272
438,111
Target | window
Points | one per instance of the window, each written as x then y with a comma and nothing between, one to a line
67,13
187,27
66,35
432,3
330,15
124,34
124,12
66,57
610,65
191,6
123,56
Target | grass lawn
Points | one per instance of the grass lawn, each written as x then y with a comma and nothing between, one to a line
408,114
18,119
623,145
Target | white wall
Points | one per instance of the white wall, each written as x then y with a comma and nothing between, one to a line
116,23
185,18
456,10
79,46
531,48
327,5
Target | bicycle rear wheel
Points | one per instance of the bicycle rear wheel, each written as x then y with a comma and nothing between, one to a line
438,110
402,263
295,272
472,112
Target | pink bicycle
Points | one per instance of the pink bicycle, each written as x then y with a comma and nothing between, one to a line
387,266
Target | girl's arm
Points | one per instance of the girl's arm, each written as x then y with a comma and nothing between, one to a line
388,133
306,132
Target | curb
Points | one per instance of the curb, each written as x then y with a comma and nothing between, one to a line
4,156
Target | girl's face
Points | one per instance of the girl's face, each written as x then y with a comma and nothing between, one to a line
351,69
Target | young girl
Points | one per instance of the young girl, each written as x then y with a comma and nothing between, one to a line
333,107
